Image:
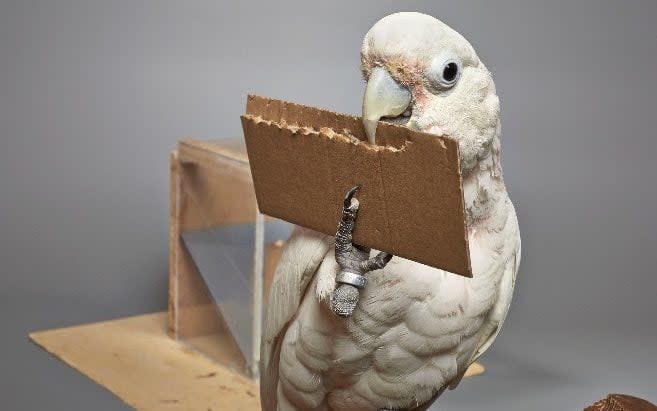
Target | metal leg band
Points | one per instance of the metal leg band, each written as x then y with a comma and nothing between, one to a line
348,277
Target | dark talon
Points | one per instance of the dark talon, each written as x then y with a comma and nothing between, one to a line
350,194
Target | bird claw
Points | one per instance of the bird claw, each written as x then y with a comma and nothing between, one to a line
353,260
350,194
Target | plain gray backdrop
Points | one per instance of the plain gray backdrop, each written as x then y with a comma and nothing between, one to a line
95,94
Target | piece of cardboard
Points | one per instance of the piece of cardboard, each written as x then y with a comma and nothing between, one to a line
303,160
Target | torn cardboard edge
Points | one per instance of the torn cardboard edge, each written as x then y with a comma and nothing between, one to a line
304,159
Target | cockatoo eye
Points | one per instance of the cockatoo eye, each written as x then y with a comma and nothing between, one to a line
443,73
450,71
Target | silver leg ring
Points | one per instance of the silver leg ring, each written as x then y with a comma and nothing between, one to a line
347,277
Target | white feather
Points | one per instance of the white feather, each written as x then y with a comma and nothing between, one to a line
303,253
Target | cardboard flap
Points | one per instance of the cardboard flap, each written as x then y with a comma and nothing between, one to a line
303,160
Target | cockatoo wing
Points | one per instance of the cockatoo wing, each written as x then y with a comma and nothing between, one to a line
501,308
493,323
299,262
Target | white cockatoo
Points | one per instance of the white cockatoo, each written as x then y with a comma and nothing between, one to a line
413,330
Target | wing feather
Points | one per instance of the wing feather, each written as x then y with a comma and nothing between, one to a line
501,308
302,255
493,323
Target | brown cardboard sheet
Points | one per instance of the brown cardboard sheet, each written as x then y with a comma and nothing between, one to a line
304,159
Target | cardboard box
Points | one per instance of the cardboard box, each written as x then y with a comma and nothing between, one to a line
304,159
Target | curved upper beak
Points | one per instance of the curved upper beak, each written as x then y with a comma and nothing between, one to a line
384,97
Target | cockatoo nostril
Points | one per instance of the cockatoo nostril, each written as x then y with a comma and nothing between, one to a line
384,97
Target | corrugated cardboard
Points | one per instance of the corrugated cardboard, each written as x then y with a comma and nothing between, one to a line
303,161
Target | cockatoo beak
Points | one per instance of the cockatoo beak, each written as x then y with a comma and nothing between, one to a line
384,97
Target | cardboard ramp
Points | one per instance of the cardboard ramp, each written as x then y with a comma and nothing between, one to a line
136,360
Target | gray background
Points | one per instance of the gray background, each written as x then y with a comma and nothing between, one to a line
94,95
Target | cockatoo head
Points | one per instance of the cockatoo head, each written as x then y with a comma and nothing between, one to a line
422,74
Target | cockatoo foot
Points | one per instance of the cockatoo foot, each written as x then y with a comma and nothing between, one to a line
353,260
